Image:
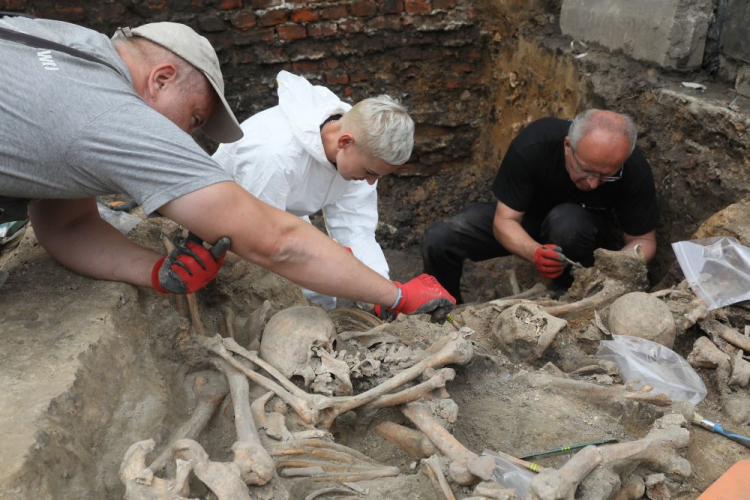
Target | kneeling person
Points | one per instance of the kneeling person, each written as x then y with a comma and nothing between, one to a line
314,151
563,190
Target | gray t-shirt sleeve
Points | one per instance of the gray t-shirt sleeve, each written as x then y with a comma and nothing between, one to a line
134,150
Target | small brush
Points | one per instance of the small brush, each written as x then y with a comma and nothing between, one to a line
718,429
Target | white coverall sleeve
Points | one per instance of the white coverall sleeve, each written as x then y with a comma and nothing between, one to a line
352,220
260,171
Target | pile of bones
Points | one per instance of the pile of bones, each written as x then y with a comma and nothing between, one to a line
313,377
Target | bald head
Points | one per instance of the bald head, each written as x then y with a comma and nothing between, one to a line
605,125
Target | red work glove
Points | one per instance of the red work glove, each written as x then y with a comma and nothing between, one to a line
190,266
549,260
422,295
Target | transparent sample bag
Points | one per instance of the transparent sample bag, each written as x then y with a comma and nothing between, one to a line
717,269
653,364
510,475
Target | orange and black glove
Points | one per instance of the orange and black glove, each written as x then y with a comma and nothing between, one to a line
421,295
190,266
549,260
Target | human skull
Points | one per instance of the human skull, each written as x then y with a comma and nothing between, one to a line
298,341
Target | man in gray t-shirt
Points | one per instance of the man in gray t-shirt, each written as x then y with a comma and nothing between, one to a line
82,115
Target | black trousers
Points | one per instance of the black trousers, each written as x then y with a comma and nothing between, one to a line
469,235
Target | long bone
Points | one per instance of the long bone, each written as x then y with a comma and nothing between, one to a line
451,349
418,392
457,350
434,470
657,449
141,483
412,441
254,462
210,389
301,405
588,390
466,466
224,479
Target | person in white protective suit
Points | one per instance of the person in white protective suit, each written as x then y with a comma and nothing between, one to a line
314,151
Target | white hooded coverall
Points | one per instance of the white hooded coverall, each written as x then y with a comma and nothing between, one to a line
281,161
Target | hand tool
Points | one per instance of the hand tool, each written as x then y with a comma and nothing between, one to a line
568,448
718,429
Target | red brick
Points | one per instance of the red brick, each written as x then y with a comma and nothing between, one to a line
305,16
306,67
335,12
13,5
197,4
364,9
290,32
274,17
251,37
243,57
229,4
331,63
244,19
264,4
462,67
391,6
348,91
69,14
151,7
417,6
337,78
352,25
321,29
359,76
380,23
443,4
270,55
211,24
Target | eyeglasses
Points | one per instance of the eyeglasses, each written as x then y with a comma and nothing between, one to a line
588,173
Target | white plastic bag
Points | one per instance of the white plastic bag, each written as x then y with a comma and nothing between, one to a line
510,475
653,364
717,269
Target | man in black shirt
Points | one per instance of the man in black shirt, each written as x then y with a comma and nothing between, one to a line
575,186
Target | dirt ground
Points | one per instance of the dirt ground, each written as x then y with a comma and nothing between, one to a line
91,367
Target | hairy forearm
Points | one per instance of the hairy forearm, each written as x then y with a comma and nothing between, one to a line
514,238
74,235
280,242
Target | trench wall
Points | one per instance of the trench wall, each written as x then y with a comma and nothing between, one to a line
425,52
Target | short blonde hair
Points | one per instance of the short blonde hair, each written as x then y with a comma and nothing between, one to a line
382,127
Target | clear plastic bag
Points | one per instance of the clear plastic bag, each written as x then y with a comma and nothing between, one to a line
653,364
717,269
510,475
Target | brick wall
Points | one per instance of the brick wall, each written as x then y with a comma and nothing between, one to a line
426,52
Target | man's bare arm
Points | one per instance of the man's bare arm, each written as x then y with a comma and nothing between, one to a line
76,236
278,241
647,242
509,233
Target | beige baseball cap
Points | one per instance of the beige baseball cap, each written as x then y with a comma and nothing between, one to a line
180,39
